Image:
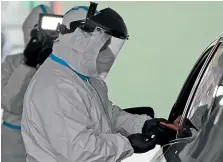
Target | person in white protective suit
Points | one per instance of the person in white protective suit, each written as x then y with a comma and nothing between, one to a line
17,71
67,114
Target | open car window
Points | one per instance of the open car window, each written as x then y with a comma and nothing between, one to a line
204,145
180,103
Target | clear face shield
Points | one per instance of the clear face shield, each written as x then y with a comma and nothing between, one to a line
116,31
97,36
114,44
107,55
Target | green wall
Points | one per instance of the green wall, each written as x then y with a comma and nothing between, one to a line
166,38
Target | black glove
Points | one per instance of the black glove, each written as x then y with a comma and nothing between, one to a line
166,136
38,48
153,125
163,134
142,143
141,111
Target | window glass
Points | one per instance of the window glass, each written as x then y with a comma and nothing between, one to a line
204,96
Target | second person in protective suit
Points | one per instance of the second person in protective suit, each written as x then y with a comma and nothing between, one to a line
67,113
17,71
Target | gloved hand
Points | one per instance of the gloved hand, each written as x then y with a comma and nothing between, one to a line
162,133
153,125
182,133
38,48
142,143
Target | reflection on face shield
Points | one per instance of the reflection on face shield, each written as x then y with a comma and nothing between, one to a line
105,61
106,44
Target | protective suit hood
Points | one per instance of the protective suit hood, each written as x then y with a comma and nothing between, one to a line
86,53
33,19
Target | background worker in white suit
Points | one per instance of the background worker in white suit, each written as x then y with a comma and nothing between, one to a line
17,71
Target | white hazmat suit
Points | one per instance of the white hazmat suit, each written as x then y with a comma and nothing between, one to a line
14,81
67,115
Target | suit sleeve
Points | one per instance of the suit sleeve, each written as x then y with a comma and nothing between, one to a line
126,123
14,85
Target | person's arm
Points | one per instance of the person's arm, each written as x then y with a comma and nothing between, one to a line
6,71
71,132
126,123
8,66
14,87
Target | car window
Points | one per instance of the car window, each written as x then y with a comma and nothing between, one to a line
204,145
180,103
204,95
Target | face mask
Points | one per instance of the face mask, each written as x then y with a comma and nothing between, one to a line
105,61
